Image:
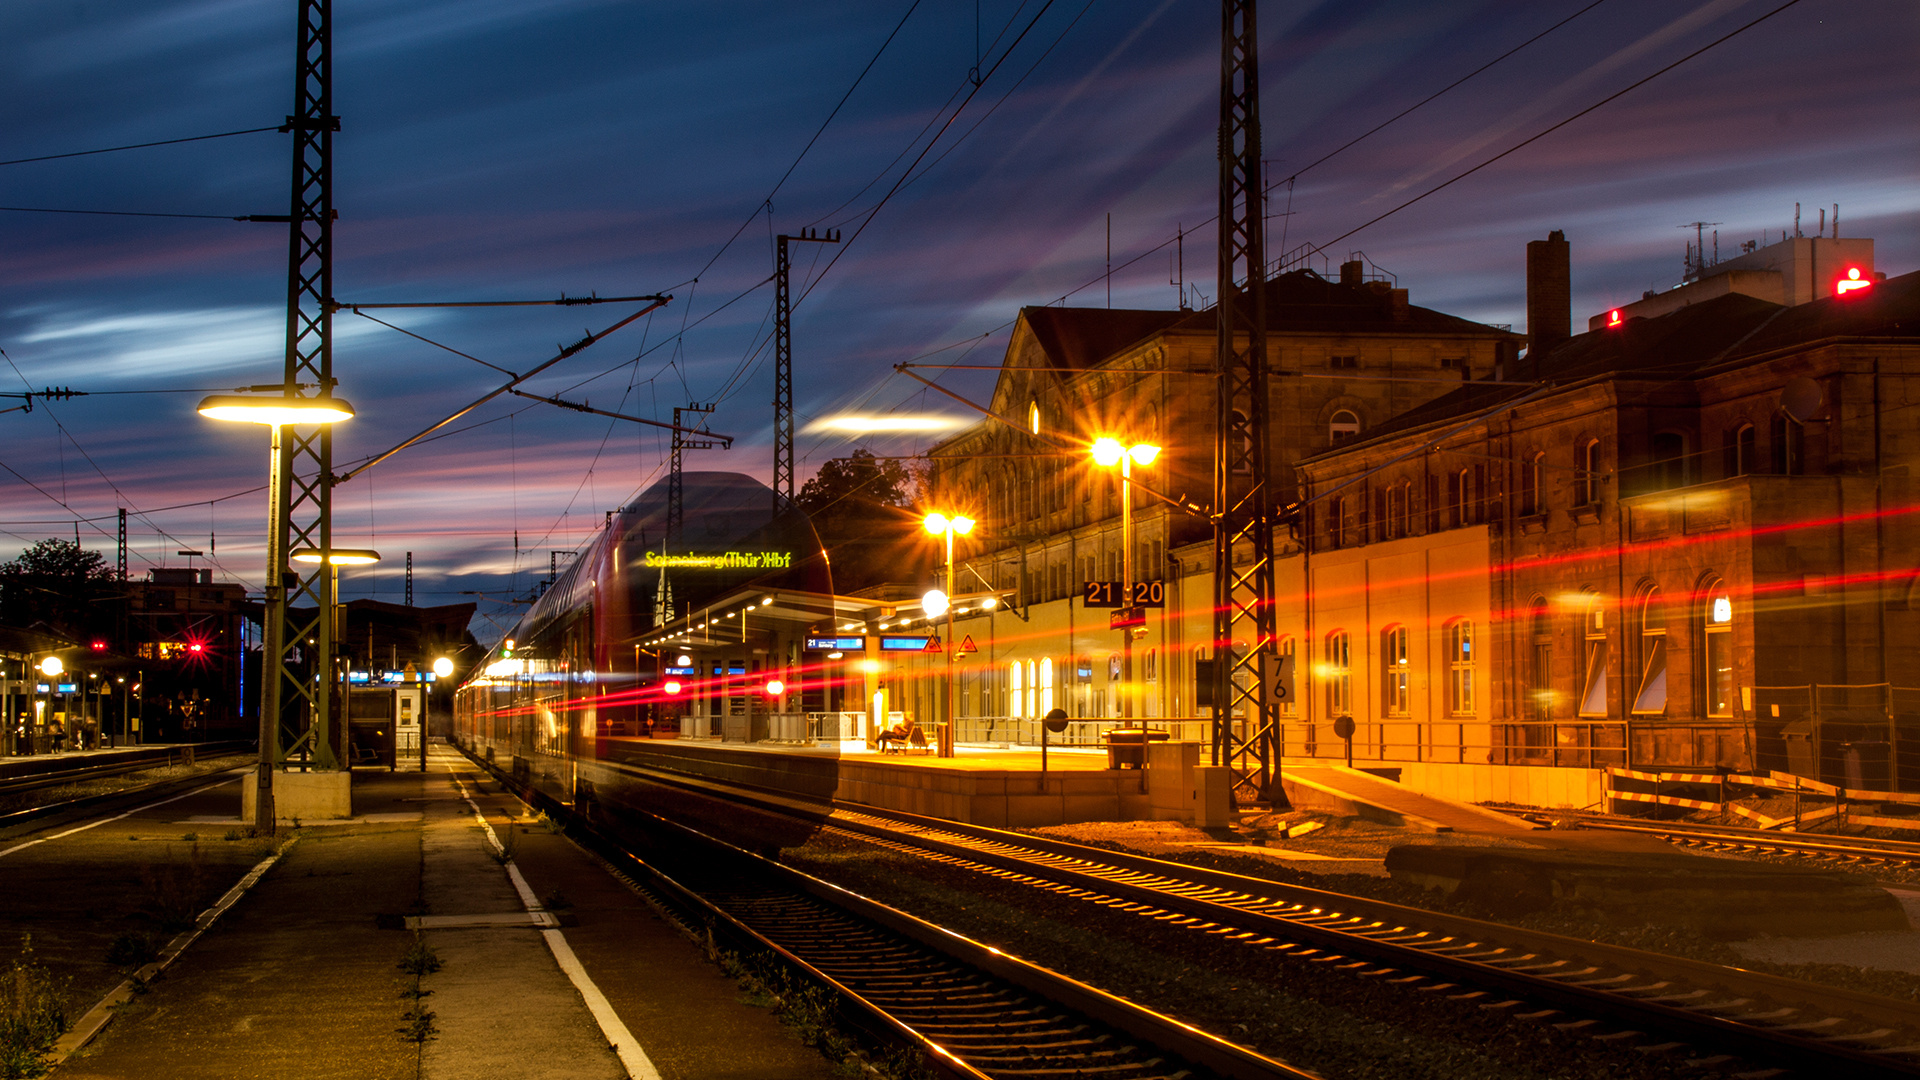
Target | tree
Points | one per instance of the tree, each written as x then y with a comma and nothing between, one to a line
61,584
860,507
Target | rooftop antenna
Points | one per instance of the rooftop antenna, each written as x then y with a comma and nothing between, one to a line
1796,221
1180,262
1823,222
1836,221
1697,255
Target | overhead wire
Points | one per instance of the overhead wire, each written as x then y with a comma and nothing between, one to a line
140,146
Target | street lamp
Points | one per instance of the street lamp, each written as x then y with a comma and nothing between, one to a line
939,524
335,558
276,412
1107,453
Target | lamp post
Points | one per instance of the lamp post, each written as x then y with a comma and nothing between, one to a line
1107,453
336,677
939,524
275,413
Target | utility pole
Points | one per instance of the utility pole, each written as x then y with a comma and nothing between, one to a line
1243,590
302,466
783,366
676,493
409,579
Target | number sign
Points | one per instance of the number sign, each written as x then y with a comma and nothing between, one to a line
1151,594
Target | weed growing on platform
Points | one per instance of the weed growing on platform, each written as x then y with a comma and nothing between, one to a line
419,959
33,1014
508,841
419,1024
133,950
551,825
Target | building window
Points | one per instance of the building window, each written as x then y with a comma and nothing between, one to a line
1533,485
1593,691
1789,445
1045,704
1343,361
1667,464
1337,522
1393,663
1650,699
1740,460
1339,674
1015,683
1344,426
1406,509
1395,523
1290,707
1717,623
1587,479
1460,661
1539,703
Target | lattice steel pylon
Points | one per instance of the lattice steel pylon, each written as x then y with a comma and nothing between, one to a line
676,486
298,700
783,366
1243,555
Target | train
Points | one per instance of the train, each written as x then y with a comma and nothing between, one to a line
573,686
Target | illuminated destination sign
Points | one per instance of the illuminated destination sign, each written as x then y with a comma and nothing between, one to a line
903,644
836,644
721,560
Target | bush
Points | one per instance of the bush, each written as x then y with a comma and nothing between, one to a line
33,1014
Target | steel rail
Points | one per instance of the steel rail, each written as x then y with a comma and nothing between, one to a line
1798,843
120,765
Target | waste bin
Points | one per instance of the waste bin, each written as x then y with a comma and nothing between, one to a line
1803,758
1867,765
1128,746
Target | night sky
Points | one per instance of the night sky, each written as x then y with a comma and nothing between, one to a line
521,149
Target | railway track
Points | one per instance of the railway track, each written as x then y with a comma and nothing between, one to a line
973,1011
1751,1023
15,789
1846,851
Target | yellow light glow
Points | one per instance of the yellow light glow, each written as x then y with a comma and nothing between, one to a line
936,523
442,667
52,666
870,666
275,411
338,557
963,525
775,687
1143,453
934,603
1107,452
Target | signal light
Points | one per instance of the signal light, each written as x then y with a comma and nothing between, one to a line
1853,282
1614,317
670,687
775,687
99,646
196,647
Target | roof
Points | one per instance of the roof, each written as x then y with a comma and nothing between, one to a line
1689,342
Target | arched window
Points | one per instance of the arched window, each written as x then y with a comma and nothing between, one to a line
1396,674
1539,704
1650,699
1587,479
1739,451
1045,704
1667,461
1406,509
1533,485
1395,525
1343,426
1716,624
1593,691
1460,665
1339,675
1016,700
1789,445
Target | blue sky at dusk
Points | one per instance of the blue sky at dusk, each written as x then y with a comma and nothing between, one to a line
516,150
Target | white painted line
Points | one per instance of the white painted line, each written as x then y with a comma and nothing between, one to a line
116,817
97,1017
632,1057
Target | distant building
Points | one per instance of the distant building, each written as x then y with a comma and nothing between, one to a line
186,650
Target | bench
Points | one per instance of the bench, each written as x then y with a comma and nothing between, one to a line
1128,746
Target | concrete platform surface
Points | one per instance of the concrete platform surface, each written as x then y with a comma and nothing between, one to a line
302,976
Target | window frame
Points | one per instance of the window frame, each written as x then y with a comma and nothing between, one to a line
1396,673
1461,663
1339,677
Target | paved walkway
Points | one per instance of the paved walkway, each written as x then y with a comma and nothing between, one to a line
302,976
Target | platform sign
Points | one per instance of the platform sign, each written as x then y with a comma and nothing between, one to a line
1151,594
934,646
966,646
904,644
836,644
1127,618
1276,671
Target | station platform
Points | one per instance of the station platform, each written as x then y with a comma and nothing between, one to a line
547,966
22,765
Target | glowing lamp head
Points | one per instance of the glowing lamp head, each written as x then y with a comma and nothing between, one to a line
196,648
52,665
683,660
1143,453
276,411
442,667
670,687
936,523
775,687
336,556
1107,452
934,603
1854,281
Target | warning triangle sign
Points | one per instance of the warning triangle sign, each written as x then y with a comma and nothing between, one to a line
967,645
933,645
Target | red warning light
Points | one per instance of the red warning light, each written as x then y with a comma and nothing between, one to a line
670,687
99,646
1613,317
1853,282
196,647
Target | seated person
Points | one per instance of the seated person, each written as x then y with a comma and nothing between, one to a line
893,737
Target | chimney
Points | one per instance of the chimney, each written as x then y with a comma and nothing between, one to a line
1350,273
1549,295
